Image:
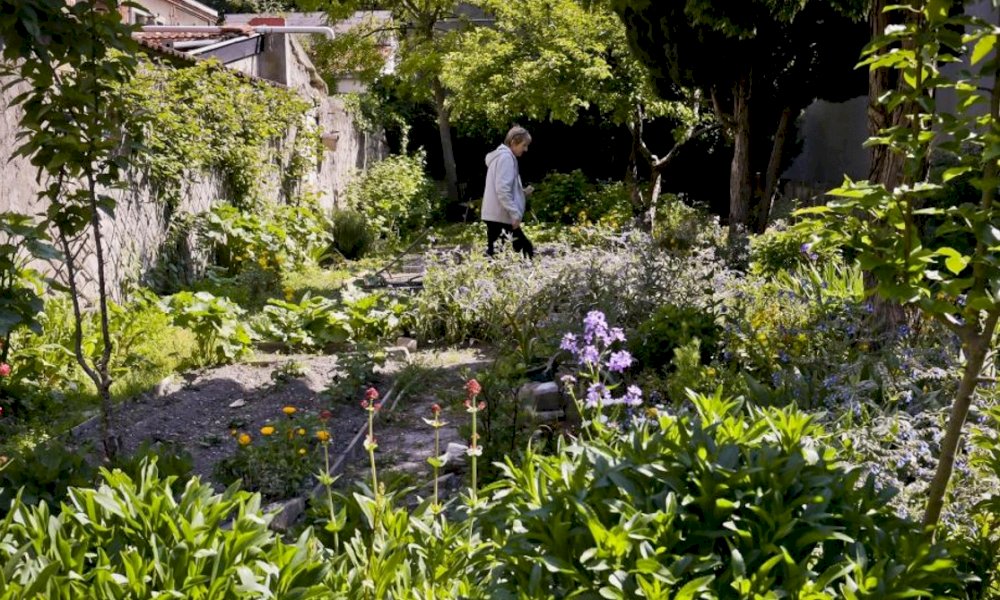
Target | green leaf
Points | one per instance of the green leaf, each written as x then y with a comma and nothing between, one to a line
983,47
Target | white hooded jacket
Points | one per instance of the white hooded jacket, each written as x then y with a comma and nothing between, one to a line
503,198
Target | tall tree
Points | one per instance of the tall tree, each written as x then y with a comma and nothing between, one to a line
553,59
426,29
760,62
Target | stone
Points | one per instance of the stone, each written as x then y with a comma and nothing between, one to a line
550,416
409,343
239,402
167,386
398,353
544,396
288,513
455,455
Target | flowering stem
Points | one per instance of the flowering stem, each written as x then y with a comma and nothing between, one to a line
437,452
329,495
475,443
371,450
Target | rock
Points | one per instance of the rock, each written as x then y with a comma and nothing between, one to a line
288,513
543,396
398,352
167,386
455,455
239,402
409,343
550,416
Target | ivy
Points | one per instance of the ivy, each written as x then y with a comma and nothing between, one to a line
205,117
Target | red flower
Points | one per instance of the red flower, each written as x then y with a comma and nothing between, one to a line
482,405
4,369
371,394
473,388
364,404
468,404
325,415
378,406
436,408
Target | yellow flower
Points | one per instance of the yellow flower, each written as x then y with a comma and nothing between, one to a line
323,435
233,432
301,431
289,293
244,439
302,451
289,410
266,430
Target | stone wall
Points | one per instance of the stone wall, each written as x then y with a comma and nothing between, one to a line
136,235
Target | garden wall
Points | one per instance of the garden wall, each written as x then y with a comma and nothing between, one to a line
140,227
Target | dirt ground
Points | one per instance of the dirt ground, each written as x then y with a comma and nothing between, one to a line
200,410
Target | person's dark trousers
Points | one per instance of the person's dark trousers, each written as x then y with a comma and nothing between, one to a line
494,231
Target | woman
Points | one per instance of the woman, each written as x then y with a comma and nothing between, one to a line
504,198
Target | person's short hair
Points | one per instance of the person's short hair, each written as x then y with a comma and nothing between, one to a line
517,134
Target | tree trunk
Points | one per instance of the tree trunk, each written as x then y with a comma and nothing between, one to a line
447,151
640,210
773,165
975,349
740,176
886,166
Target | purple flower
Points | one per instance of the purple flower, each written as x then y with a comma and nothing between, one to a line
619,361
597,395
595,326
617,335
569,343
589,356
633,396
806,249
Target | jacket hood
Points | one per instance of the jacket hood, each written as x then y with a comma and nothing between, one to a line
500,150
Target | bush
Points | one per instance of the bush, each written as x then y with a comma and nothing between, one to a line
570,198
715,504
679,227
217,323
395,195
352,237
781,248
145,539
671,327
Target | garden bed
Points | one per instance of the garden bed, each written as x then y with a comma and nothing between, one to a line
206,412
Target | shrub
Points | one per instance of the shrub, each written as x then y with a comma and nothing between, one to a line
680,227
780,248
352,237
144,539
709,505
276,460
671,327
561,197
395,195
217,323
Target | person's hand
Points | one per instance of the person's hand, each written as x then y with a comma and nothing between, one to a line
529,190
516,224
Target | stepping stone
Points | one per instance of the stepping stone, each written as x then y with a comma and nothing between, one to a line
409,343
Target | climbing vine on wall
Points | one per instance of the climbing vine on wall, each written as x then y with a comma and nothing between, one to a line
205,117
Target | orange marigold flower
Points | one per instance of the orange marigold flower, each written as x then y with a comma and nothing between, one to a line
323,435
266,430
244,439
289,410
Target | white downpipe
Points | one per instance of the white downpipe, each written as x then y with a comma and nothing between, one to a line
327,31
